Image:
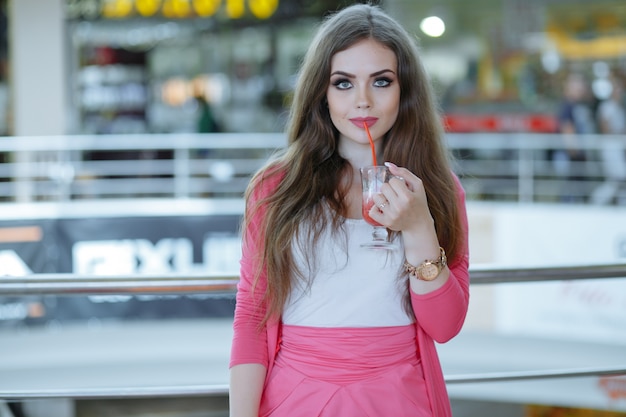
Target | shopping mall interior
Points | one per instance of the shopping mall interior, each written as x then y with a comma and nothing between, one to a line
95,75
135,67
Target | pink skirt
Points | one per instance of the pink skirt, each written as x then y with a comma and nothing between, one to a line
339,372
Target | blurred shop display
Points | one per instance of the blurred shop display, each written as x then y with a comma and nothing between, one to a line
142,65
113,90
154,87
498,67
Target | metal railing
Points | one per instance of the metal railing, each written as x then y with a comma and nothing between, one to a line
222,390
498,167
67,284
70,284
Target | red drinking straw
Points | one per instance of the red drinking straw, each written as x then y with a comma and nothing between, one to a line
369,136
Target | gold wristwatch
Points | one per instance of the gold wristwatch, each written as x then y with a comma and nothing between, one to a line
429,269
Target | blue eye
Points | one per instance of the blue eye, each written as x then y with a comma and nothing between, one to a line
382,82
342,84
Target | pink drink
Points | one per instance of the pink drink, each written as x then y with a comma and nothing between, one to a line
368,203
372,180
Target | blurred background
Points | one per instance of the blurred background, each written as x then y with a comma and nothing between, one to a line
130,128
126,66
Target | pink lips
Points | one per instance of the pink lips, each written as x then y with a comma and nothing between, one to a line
359,121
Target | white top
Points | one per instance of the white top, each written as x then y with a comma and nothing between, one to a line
355,288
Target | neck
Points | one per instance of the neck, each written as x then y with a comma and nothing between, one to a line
360,157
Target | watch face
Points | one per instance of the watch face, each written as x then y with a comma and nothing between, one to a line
428,271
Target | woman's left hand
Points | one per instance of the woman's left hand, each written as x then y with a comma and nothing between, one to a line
405,210
402,205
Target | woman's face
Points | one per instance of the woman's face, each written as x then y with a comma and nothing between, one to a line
363,88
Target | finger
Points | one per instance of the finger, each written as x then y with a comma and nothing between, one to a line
399,174
388,191
395,170
376,213
381,202
397,182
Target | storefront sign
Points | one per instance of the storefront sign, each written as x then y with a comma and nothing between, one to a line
470,123
172,9
205,244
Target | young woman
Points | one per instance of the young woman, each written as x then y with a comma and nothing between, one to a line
324,327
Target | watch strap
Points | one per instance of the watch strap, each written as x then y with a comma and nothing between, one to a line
417,271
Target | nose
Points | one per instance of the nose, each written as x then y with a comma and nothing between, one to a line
363,100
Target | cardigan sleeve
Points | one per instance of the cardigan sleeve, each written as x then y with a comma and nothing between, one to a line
441,313
250,341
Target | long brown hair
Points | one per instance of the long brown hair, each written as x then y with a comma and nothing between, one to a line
310,167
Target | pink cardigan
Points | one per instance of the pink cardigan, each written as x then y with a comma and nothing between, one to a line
439,314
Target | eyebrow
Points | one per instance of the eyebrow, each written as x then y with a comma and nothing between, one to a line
374,74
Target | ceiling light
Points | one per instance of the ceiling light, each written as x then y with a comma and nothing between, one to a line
433,26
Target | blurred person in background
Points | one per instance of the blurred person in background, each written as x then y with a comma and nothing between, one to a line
207,122
575,117
324,327
612,121
611,112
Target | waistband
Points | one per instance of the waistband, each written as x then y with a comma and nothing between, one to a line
346,353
